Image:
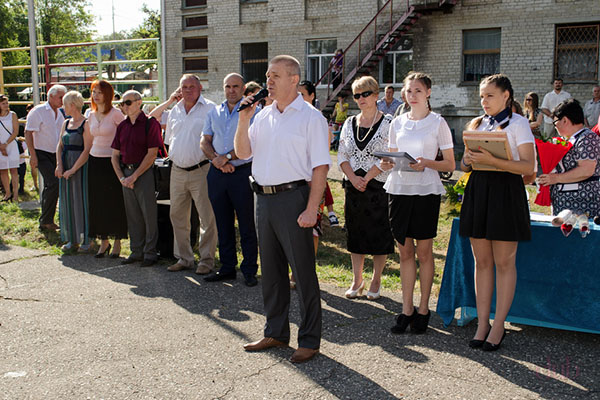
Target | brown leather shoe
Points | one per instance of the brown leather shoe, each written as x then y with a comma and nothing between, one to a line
203,269
303,354
263,344
177,267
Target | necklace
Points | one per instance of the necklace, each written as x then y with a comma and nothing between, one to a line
369,131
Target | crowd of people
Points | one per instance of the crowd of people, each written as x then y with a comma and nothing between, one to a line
265,163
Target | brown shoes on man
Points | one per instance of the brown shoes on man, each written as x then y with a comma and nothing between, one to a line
263,344
303,354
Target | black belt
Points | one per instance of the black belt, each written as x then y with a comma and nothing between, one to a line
193,167
284,187
129,166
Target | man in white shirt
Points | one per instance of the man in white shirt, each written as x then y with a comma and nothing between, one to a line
288,143
188,174
551,100
42,132
591,110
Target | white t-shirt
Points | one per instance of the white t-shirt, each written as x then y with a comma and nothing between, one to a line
420,138
518,132
551,100
184,131
46,126
288,145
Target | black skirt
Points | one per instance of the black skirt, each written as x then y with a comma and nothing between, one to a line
495,207
414,216
107,210
367,225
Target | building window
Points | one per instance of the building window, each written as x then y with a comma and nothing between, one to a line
255,61
319,53
576,53
195,21
481,54
398,62
193,3
195,64
195,43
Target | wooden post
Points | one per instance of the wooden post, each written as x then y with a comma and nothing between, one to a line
1,75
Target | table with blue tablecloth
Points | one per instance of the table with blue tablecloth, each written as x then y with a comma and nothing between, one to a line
557,280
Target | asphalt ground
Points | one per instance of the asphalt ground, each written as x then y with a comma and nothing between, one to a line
76,327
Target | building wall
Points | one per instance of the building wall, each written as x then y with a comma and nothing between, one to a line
527,41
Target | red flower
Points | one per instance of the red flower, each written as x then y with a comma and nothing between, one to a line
550,154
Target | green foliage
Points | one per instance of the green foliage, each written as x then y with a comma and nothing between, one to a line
150,28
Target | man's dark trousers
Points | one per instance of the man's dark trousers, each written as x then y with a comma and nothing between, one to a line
230,196
283,241
49,197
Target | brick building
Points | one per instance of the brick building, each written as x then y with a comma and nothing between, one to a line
456,42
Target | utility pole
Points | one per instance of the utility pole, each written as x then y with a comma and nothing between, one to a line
113,20
33,52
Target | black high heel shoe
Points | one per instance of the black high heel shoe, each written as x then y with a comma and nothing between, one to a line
7,199
102,254
476,343
420,323
487,346
402,322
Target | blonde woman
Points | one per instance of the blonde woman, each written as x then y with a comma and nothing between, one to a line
71,167
366,202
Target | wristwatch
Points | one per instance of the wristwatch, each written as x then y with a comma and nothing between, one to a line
228,155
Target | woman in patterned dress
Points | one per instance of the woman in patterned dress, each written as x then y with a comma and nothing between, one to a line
575,185
71,167
366,206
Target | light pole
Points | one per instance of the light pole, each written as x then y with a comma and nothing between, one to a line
33,52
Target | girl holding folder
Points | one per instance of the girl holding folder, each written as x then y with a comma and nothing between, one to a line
495,213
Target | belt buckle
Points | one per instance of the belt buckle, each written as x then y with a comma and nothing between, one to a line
268,190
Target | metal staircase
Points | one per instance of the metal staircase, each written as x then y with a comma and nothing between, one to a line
390,24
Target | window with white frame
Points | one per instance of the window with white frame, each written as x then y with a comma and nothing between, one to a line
397,63
319,53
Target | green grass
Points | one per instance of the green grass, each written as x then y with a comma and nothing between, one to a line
20,227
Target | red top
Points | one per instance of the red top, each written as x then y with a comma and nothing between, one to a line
131,139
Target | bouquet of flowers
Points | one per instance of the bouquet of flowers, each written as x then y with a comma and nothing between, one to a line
551,152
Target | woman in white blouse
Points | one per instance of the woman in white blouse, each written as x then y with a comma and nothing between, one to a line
415,195
366,202
9,152
107,210
495,212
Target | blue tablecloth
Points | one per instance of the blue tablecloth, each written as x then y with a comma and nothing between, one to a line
557,280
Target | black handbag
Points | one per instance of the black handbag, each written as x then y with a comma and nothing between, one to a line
162,178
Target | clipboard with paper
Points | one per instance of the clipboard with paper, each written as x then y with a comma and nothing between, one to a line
495,142
401,159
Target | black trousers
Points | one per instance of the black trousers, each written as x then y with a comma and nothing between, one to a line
49,196
281,242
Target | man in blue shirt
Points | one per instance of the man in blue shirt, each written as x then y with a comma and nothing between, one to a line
228,186
389,104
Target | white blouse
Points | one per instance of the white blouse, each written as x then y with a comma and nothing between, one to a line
518,132
364,159
420,138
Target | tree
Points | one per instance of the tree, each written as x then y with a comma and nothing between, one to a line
150,28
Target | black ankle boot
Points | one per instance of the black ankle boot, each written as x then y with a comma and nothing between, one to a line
419,324
402,322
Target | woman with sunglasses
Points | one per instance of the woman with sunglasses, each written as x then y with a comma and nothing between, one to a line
366,203
107,210
495,213
415,195
533,113
9,151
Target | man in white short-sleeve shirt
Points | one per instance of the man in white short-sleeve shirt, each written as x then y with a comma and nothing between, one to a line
288,141
591,109
42,132
188,174
551,100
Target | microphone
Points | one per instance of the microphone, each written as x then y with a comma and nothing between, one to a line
257,97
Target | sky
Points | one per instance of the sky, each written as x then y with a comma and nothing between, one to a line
127,14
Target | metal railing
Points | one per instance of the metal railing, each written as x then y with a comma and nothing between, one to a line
47,67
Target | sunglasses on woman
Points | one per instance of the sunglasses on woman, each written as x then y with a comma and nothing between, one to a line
363,94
